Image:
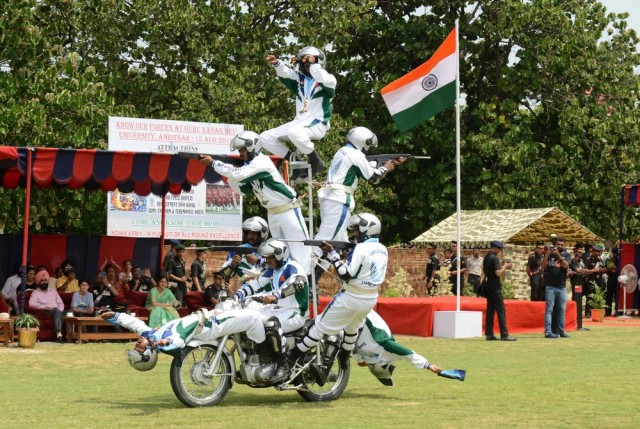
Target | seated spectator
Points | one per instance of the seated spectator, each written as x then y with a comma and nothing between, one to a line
82,301
212,291
49,301
68,281
126,274
119,300
52,281
10,290
30,281
162,304
142,281
103,293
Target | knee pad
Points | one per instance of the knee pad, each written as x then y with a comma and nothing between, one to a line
272,325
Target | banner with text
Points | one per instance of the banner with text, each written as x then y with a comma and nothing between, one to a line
209,211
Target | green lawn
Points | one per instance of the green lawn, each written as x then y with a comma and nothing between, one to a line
588,381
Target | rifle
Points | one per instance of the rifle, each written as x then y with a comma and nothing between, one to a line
227,159
241,250
340,245
382,158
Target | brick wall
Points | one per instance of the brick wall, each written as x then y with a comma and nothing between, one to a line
412,260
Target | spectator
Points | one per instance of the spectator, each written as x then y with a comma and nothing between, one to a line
453,269
595,268
555,268
68,281
10,289
433,265
142,281
447,257
161,304
169,256
198,271
30,280
313,88
612,281
177,275
49,301
127,271
56,275
493,270
103,293
535,273
82,301
474,266
577,273
212,291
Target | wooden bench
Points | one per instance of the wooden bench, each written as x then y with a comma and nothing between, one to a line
6,336
75,330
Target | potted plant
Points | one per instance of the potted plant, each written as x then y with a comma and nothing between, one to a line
27,326
597,302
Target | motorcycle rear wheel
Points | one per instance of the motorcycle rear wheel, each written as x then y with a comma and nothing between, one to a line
333,387
189,384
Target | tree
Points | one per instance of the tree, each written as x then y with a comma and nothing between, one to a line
550,113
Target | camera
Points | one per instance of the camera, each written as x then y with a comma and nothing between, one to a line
552,248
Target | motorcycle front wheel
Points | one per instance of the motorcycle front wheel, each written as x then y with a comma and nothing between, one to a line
190,383
333,387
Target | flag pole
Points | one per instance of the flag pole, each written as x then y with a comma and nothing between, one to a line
458,247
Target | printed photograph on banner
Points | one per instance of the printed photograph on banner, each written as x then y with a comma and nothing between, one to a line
221,199
208,211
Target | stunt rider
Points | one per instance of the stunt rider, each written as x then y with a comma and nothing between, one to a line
313,89
377,349
362,274
283,291
254,231
258,174
336,197
174,335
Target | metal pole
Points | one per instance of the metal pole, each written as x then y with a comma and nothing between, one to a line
25,231
458,186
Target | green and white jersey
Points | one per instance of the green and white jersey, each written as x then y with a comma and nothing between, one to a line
313,93
260,176
348,165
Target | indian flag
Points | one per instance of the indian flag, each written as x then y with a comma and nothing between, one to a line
424,91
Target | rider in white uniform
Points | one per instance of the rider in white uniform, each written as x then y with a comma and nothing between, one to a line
254,231
313,88
362,274
377,349
259,175
336,196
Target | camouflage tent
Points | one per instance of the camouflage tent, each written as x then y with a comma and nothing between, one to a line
518,227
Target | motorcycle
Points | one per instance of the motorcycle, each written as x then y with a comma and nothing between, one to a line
203,373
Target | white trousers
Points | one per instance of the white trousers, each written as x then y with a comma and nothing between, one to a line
300,133
345,311
334,221
290,225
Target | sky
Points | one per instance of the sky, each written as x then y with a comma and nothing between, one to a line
631,6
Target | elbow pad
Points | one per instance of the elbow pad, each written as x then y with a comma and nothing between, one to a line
378,174
291,286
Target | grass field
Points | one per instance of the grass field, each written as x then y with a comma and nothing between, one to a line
588,381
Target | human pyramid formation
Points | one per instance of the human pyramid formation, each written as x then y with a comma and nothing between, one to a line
289,262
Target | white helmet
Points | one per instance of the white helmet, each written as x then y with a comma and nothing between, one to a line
311,50
274,247
382,372
256,224
248,140
367,224
362,138
142,361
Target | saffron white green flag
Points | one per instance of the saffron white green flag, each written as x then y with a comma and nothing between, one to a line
424,91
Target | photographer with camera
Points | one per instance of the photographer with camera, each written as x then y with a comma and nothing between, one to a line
68,281
555,265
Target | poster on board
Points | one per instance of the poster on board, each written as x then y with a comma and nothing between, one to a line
209,211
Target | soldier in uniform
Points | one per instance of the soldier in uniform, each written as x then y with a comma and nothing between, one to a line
536,273
433,265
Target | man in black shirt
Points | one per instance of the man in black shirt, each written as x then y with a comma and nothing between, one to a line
177,273
433,265
535,273
213,291
555,278
198,271
453,269
577,274
493,270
